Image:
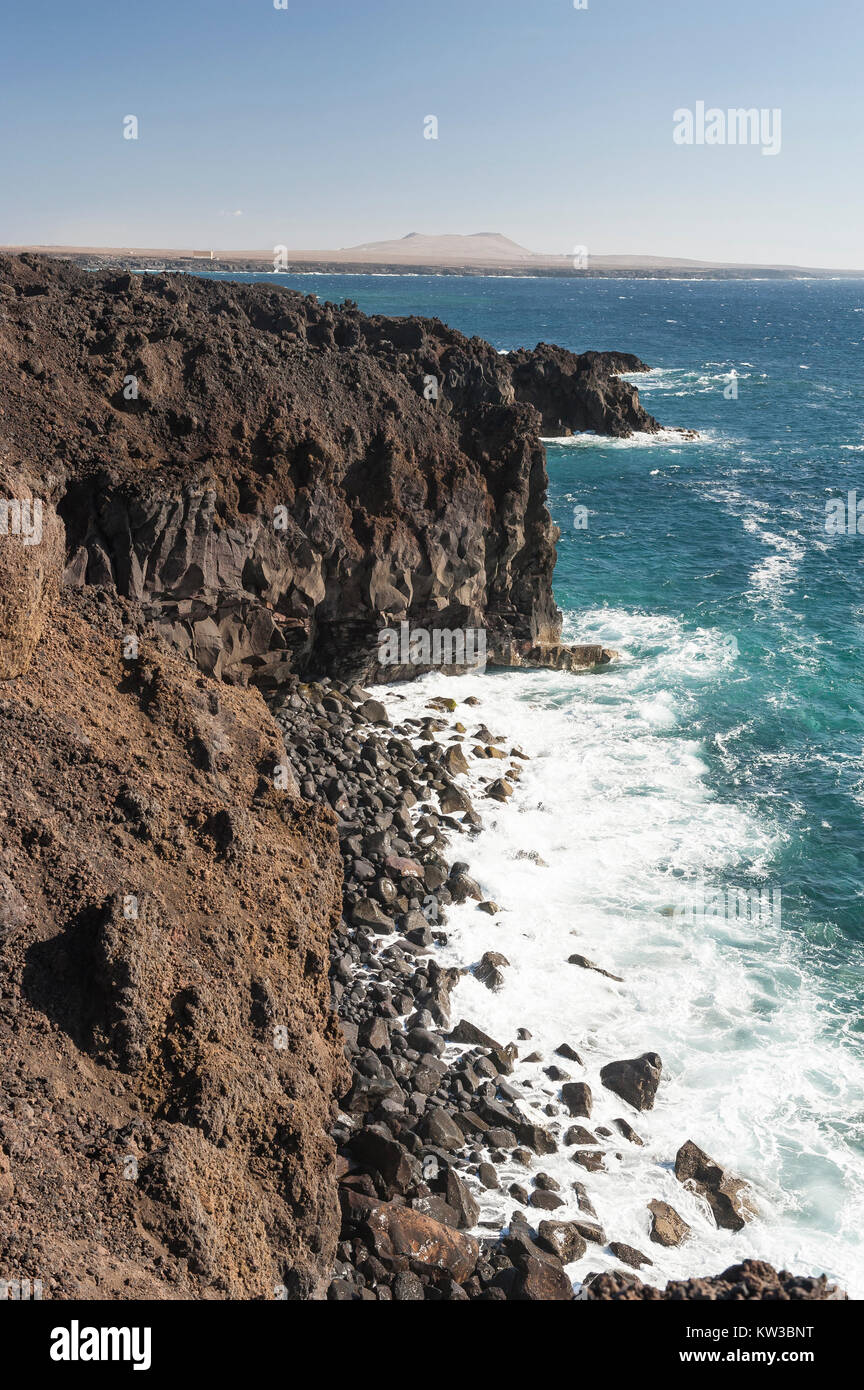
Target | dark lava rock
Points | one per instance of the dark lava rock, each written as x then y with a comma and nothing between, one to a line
441,1131
541,1274
628,1255
751,1280
576,1095
577,1134
726,1195
488,972
562,1238
587,964
626,1129
545,1201
635,1081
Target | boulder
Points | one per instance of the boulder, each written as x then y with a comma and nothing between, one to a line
454,760
488,972
374,1147
626,1129
562,1238
635,1081
374,711
536,1138
628,1255
587,964
725,1195
441,1131
469,1034
395,1231
545,1201
667,1227
541,1275
578,1134
576,1095
460,1199
367,913
588,1230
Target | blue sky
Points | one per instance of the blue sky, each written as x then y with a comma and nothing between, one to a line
555,124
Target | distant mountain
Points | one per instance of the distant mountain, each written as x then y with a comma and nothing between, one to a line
420,248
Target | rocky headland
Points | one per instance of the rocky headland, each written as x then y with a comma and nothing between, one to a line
233,1067
273,478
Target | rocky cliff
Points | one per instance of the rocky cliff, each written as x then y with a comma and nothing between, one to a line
264,482
275,479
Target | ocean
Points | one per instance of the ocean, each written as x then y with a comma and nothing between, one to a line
722,753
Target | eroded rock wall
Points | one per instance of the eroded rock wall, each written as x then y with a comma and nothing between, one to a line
276,479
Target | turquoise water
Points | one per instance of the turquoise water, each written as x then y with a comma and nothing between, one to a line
736,715
729,534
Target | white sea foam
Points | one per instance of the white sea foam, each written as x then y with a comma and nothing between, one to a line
684,381
616,801
641,439
771,580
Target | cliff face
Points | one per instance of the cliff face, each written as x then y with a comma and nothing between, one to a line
276,479
165,919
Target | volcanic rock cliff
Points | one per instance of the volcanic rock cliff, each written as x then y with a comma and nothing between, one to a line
275,479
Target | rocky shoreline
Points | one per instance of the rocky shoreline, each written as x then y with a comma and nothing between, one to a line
191,883
441,1148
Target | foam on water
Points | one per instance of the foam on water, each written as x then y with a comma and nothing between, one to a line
616,801
640,439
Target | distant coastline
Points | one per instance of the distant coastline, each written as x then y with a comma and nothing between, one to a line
483,254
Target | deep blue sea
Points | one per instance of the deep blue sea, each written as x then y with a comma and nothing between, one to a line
722,751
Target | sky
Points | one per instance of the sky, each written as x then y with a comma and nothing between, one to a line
304,126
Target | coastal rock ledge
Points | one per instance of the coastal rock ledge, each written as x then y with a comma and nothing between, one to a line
275,480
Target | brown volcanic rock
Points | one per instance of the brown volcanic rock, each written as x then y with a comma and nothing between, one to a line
171,1057
276,479
635,1080
753,1279
726,1195
667,1227
395,1231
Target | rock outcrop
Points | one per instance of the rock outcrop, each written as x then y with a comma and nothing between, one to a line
575,393
275,479
667,1227
727,1196
635,1080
